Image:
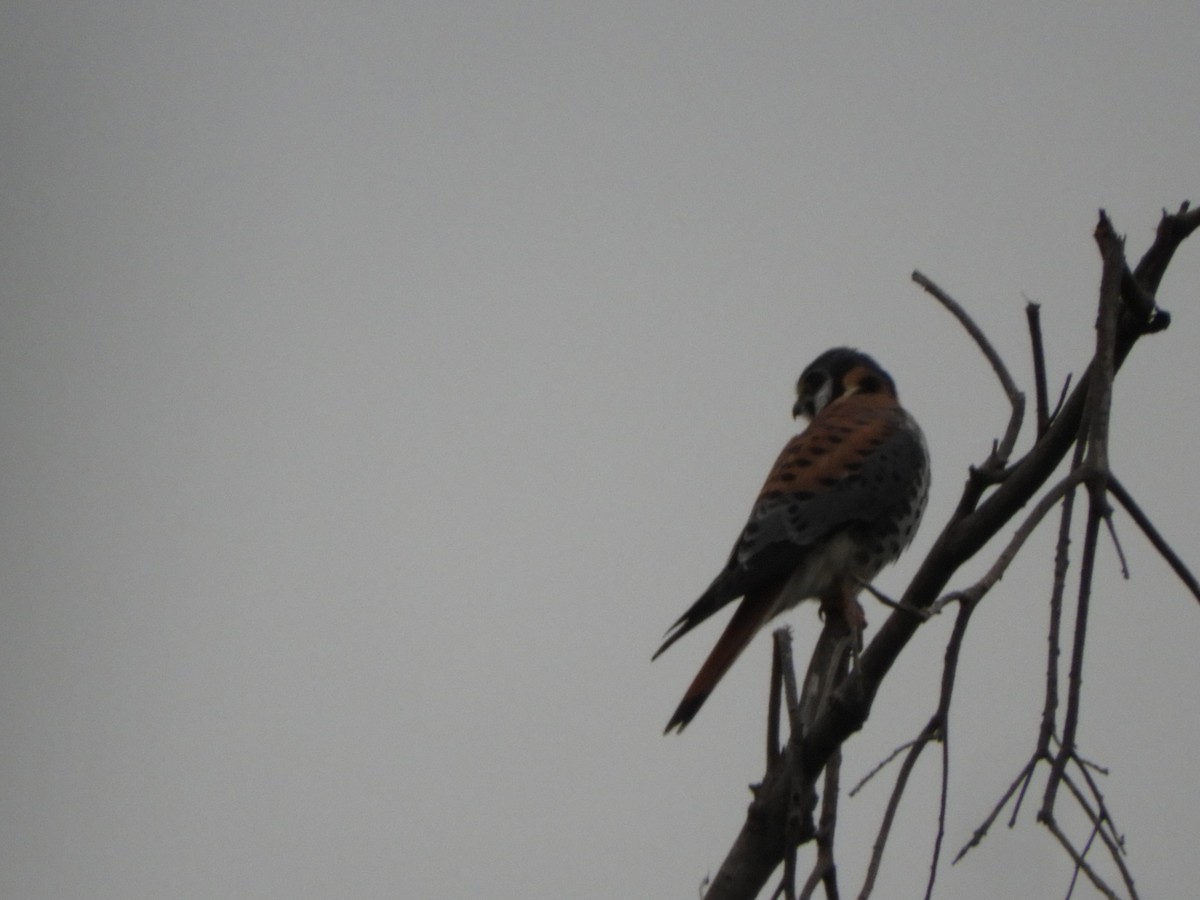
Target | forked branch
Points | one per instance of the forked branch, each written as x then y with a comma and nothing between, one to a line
832,706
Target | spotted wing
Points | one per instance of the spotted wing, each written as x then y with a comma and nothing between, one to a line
861,462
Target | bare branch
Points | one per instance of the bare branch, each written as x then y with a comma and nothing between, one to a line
1164,549
880,766
1112,254
985,826
780,639
1062,396
1012,820
1054,628
1075,873
1173,230
944,794
832,704
1047,502
1034,318
1015,397
1099,403
1087,870
892,604
824,870
1087,566
1104,828
910,760
1112,533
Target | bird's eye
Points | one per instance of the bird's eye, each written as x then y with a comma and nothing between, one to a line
812,381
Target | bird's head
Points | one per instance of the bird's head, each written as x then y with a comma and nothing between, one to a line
838,373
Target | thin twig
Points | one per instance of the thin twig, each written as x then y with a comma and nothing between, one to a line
880,766
914,752
1087,566
1173,230
1015,397
936,729
981,831
1112,533
1075,872
944,796
775,697
1109,837
788,670
1033,761
1062,563
1085,769
1096,880
794,824
827,828
1034,318
824,871
1164,549
1087,764
1046,503
1062,398
1095,815
883,598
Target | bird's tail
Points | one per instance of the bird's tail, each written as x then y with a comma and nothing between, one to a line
752,613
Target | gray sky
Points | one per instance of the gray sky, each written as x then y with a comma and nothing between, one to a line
380,380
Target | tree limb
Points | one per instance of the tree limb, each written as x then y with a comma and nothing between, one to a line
1128,312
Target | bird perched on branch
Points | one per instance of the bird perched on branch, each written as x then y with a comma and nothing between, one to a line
842,501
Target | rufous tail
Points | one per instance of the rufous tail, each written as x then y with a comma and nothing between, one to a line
751,614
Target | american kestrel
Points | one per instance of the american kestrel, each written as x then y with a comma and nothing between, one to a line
842,501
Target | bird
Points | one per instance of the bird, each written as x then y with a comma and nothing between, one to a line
844,499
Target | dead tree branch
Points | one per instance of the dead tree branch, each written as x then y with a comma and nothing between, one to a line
834,703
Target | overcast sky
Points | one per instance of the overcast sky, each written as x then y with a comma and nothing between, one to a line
378,381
